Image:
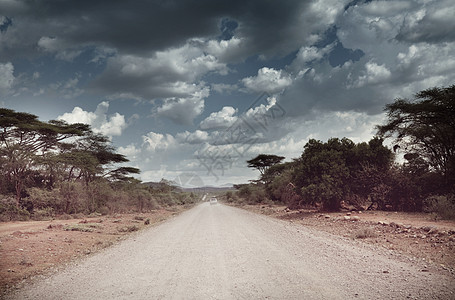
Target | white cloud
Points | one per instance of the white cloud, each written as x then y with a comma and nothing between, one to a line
370,29
390,67
268,80
6,77
426,60
171,73
155,142
373,74
225,51
50,44
184,110
130,151
112,125
78,115
221,119
326,11
381,8
311,53
288,146
431,22
222,88
261,109
196,137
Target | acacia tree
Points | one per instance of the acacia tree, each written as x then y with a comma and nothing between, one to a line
93,156
425,127
264,161
29,147
24,138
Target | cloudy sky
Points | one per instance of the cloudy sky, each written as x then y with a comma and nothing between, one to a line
194,88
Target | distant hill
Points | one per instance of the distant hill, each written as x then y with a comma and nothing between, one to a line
208,189
202,189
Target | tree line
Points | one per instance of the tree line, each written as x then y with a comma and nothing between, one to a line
340,173
59,168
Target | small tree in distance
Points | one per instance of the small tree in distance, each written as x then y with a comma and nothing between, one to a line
264,161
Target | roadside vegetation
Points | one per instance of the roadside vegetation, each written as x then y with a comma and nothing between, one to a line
53,169
416,174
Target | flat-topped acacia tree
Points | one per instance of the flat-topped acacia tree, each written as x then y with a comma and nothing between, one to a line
424,128
56,150
264,161
23,139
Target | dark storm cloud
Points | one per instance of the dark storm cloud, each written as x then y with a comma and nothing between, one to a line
429,30
5,23
436,25
142,26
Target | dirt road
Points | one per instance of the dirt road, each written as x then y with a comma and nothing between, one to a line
221,252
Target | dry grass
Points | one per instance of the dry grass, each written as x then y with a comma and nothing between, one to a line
364,233
88,227
129,228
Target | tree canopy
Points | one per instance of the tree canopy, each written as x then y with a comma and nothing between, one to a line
264,161
35,151
425,128
327,173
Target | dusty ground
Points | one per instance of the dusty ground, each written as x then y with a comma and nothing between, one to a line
35,247
222,252
415,235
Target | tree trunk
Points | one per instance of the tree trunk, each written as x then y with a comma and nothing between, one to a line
18,192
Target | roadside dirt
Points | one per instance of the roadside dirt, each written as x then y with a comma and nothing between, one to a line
412,234
35,247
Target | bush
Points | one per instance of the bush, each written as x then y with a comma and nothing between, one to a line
10,212
88,227
66,198
43,214
231,197
129,228
442,206
278,188
364,233
253,194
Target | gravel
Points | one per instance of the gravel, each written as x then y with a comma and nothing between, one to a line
222,252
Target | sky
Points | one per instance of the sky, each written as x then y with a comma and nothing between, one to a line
188,90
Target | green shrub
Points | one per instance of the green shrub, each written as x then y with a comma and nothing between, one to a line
232,197
103,210
65,198
10,212
43,214
277,188
364,233
442,206
129,228
88,227
253,194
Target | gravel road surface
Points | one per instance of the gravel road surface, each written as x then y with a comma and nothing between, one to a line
221,252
